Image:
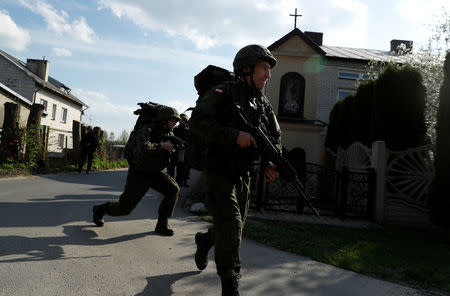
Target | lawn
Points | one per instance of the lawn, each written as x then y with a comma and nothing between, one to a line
419,259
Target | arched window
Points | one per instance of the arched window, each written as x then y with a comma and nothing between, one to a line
292,95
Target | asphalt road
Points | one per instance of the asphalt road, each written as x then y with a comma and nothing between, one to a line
49,246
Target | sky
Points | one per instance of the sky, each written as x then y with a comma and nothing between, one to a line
114,54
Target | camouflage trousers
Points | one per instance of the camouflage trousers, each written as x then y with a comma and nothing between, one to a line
137,185
227,200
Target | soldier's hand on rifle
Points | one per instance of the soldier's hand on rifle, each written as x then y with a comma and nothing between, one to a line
271,174
245,140
167,146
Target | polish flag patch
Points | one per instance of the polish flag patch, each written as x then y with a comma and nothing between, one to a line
218,91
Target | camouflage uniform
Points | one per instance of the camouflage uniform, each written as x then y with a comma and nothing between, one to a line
89,143
146,171
228,165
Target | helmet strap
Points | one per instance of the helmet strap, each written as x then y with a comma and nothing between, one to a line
252,82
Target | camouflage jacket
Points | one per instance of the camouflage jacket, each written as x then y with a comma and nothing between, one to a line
146,152
215,121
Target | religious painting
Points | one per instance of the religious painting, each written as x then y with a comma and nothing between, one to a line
292,95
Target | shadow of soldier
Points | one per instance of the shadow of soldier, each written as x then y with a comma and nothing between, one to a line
26,249
162,285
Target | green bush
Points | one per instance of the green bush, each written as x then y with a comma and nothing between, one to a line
390,109
399,106
440,191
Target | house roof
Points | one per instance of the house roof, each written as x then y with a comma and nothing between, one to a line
296,32
346,53
18,96
52,84
360,54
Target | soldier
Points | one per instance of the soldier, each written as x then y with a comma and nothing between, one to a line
89,143
150,156
230,153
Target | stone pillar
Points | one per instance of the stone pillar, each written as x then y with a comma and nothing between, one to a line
76,134
11,139
34,143
379,164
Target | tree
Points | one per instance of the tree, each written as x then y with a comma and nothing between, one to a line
440,191
111,137
123,138
389,108
399,102
429,61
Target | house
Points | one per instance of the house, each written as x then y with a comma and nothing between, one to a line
32,82
308,80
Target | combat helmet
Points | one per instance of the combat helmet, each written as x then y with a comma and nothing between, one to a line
165,113
184,116
250,55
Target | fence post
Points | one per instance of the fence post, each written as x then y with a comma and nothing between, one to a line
260,192
379,164
342,203
371,196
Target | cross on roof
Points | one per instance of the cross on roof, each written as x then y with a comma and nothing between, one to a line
295,18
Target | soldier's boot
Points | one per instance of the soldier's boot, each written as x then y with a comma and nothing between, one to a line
230,285
98,212
203,246
162,227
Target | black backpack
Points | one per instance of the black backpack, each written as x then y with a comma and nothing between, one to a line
146,114
195,152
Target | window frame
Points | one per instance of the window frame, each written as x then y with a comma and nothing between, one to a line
61,140
54,109
342,90
64,114
351,75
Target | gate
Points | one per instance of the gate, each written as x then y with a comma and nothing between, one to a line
333,192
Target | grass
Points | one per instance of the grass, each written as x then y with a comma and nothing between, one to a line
12,169
419,259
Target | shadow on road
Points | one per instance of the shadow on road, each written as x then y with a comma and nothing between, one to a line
161,285
24,249
106,180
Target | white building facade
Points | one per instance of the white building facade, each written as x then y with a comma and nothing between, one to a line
32,81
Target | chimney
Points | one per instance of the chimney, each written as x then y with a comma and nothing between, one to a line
316,37
395,43
39,67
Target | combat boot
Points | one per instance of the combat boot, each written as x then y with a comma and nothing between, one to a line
98,213
162,227
203,247
230,285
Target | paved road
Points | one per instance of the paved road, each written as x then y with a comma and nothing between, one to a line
48,246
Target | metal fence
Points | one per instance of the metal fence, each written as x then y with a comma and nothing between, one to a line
336,193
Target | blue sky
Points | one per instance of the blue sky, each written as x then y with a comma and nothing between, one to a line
114,54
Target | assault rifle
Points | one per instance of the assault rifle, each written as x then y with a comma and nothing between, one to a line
271,153
177,142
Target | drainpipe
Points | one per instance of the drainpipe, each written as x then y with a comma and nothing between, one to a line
82,112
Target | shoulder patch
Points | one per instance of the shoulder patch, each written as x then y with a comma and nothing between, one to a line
218,91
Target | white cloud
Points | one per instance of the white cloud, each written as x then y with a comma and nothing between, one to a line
423,15
59,22
210,24
11,35
62,52
345,23
206,23
137,52
103,113
112,117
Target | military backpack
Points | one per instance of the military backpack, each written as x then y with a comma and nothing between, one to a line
146,114
195,153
